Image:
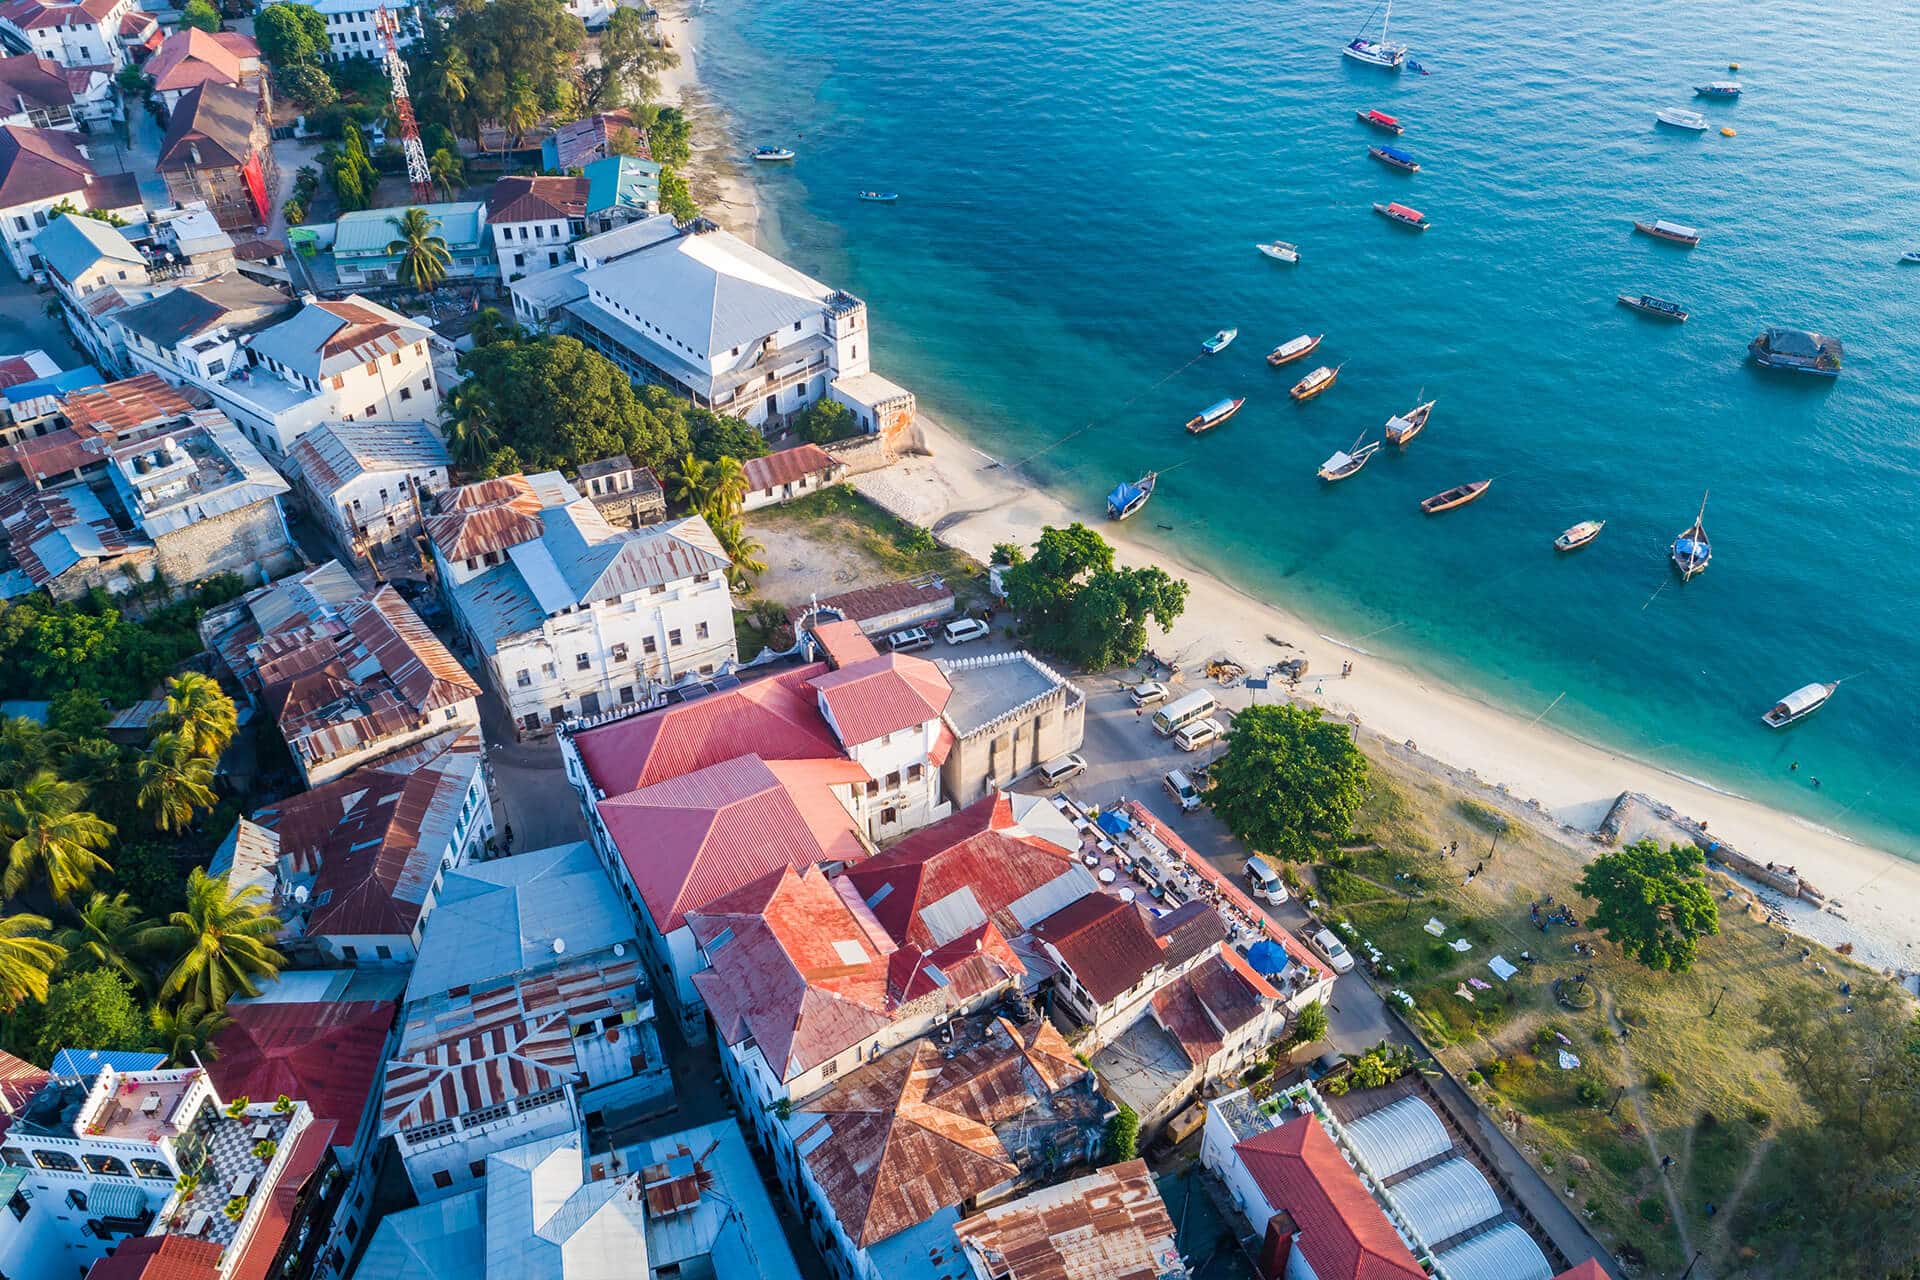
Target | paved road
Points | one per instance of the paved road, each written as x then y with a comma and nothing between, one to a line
25,324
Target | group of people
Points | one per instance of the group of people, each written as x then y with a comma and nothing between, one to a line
1562,914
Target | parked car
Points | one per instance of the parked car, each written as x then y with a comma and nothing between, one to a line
1062,769
961,630
910,640
1150,693
1334,950
1201,733
1181,788
1263,881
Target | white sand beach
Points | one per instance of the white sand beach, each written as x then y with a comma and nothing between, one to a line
1875,897
718,178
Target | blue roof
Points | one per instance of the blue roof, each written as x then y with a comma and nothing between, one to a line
88,1063
621,180
56,384
1122,495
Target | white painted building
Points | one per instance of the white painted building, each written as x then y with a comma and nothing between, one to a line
40,168
350,29
89,33
369,484
573,616
39,93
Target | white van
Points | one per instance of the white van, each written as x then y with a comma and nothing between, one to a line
1199,734
1264,882
1176,716
962,630
1334,950
1181,788
1062,769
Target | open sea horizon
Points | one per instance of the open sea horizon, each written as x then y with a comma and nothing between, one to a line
1082,184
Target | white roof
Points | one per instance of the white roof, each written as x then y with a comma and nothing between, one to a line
1504,1253
545,1221
439,1241
1446,1200
1398,1137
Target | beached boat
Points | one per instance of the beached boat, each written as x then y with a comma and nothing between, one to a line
1798,351
880,197
1799,704
1381,121
1661,229
1377,53
1346,462
1219,342
1315,383
1718,89
1294,349
1692,551
1402,214
1126,499
1579,536
1654,306
771,155
1458,496
1213,415
1281,250
1403,427
1395,158
1691,121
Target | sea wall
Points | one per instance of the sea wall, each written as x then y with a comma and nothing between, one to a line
1785,879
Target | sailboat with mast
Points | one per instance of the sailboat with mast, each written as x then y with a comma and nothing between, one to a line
1381,52
1692,551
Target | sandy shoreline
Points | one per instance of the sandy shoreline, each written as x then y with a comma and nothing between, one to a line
972,505
717,177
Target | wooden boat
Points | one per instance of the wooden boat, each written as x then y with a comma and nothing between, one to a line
1219,342
1691,121
880,197
1458,496
1799,704
1656,307
1404,215
1798,351
1126,499
1661,229
1280,250
1294,348
1213,415
1348,462
1579,536
1395,158
1315,383
1382,121
1377,53
1718,89
1403,427
772,155
1692,551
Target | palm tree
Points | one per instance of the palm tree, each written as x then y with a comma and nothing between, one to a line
694,484
728,489
199,711
222,943
174,782
423,254
447,172
95,763
51,836
23,750
741,550
450,76
523,108
187,1031
107,935
470,424
27,959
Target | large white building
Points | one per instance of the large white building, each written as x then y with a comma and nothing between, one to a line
351,32
733,328
89,33
572,615
370,484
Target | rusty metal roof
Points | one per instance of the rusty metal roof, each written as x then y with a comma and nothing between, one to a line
930,597
1109,1225
140,401
491,515
50,531
788,466
336,452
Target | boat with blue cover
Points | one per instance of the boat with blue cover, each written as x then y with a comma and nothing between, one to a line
1692,551
1395,158
1213,415
1650,305
1126,499
1718,89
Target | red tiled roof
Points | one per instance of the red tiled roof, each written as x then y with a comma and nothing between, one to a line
166,1257
776,717
326,1054
1344,1235
40,164
30,15
845,643
270,1232
190,56
522,198
1106,942
1588,1270
42,82
882,695
787,466
690,839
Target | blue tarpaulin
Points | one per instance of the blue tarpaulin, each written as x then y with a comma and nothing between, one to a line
1268,956
1114,822
1119,499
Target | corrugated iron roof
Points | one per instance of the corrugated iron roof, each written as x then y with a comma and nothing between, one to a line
930,597
1109,1225
140,401
337,452
325,1054
523,198
1108,944
884,694
1344,1235
787,466
161,1257
51,531
491,515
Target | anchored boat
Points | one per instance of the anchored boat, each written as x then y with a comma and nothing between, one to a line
1315,383
1294,348
1799,704
1691,121
1579,536
1220,341
880,197
1692,551
1381,121
1458,496
1344,463
1403,427
1126,499
1377,53
1718,89
771,155
1402,214
1653,306
1281,250
1213,415
1661,229
1395,158
1798,351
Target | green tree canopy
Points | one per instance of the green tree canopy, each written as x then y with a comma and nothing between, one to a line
626,71
27,959
1077,604
423,251
1288,776
1123,1135
220,943
291,33
91,1010
175,783
305,86
198,13
826,420
198,710
105,935
670,137
1652,902
525,48
50,836
676,197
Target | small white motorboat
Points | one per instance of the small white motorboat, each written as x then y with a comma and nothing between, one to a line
1692,121
772,155
1799,704
1220,341
1281,250
1911,255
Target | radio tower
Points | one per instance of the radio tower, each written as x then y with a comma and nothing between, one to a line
417,175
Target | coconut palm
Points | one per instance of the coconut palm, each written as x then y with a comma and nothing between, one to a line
220,944
447,173
199,711
107,935
728,489
423,253
95,763
51,836
27,959
23,749
523,108
694,484
188,1031
450,76
741,549
174,782
470,424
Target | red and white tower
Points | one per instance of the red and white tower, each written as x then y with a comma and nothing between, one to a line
418,177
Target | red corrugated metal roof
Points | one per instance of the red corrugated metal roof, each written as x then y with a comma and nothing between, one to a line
1108,943
131,402
1108,1225
270,1232
1344,1235
163,1257
845,643
881,695
326,1054
787,467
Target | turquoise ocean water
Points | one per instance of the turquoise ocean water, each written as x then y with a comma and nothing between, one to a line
1082,186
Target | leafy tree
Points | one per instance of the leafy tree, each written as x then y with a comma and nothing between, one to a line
491,325
291,33
826,420
64,641
1653,902
106,936
1043,587
1310,1024
714,435
27,959
1123,1135
133,82
522,109
629,59
175,783
92,1010
729,486
198,13
447,171
187,1031
1288,774
24,750
1076,603
349,168
670,137
78,713
150,872
100,767
693,485
1008,554
221,943
199,711
676,197
622,141
423,253
51,836
304,85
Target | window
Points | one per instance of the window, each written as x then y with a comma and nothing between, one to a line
673,638
546,669
339,381
893,779
913,773
370,410
350,953
396,359
383,951
406,393
426,384
620,653
581,662
626,694
830,1068
442,1178
530,721
873,788
700,631
647,645
889,816
373,367
18,1204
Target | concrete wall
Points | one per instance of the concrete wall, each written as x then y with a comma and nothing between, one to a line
1008,748
251,542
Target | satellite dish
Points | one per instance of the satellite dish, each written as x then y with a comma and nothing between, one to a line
300,893
559,946
619,948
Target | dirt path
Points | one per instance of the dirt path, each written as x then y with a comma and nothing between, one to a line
1739,1191
1633,1096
